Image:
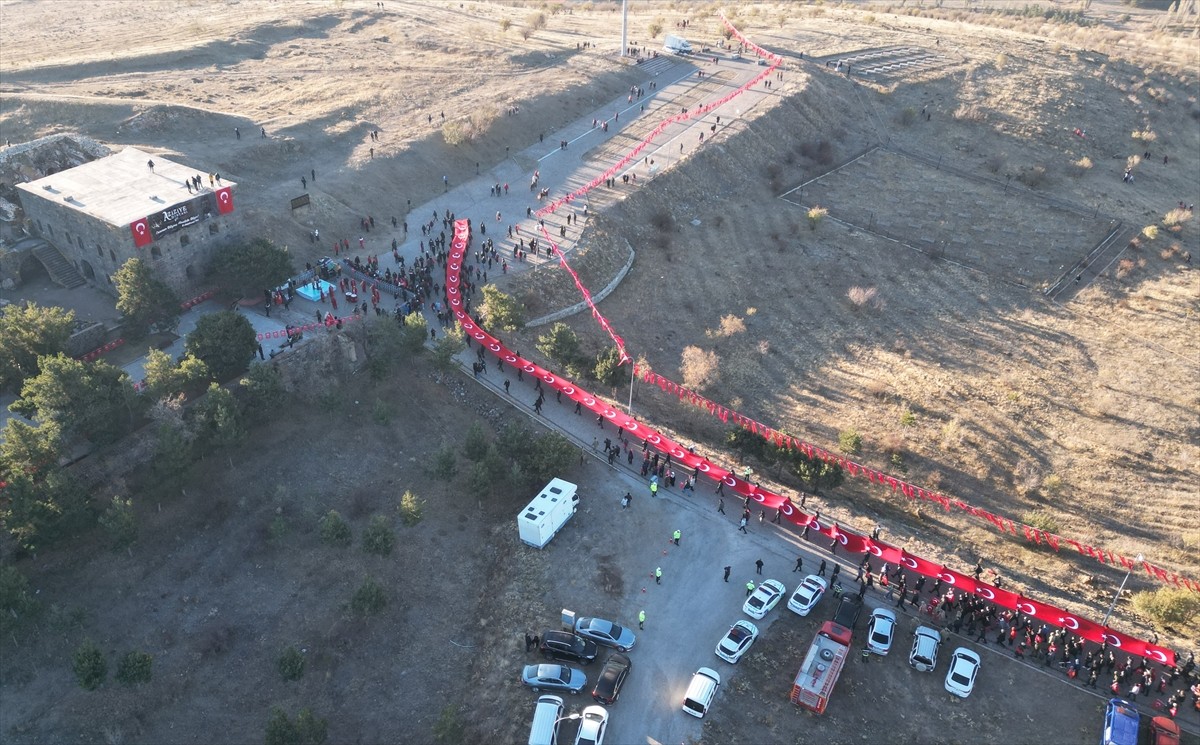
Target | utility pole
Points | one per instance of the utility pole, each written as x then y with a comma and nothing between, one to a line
624,27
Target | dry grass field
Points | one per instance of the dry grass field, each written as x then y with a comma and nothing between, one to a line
913,313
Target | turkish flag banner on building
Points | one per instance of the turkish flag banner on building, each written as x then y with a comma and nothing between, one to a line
141,232
225,200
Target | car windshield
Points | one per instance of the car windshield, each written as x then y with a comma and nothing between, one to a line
879,637
737,633
756,602
959,678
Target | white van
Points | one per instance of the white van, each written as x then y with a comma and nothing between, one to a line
546,718
700,692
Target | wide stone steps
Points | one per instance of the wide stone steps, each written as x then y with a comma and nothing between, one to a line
59,269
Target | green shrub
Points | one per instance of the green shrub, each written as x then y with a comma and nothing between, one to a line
908,418
378,538
410,508
1052,485
445,463
278,529
381,412
449,729
475,442
308,729
1168,605
291,664
134,668
815,215
850,441
369,599
1040,519
335,531
120,523
16,602
90,666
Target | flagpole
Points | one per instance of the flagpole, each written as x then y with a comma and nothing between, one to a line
632,376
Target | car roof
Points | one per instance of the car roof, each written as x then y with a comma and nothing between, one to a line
967,653
928,633
883,613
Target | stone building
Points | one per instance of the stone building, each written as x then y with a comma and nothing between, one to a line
133,204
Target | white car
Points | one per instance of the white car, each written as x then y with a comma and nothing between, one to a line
762,600
735,643
807,595
880,630
960,678
591,726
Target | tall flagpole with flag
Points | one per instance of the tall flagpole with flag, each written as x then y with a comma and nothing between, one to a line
624,27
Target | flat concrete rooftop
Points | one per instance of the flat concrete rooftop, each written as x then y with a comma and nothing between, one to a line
120,188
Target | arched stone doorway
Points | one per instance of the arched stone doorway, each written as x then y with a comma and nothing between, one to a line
88,271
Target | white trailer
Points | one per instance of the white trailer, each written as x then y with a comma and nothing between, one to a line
676,45
548,512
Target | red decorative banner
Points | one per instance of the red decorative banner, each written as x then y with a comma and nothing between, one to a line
685,458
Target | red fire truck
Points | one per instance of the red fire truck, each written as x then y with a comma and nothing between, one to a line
822,666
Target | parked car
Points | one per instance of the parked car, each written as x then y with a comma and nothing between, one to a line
960,678
606,633
591,726
739,638
763,599
612,677
1121,721
701,691
1163,731
848,610
553,678
880,630
563,645
807,595
926,642
547,715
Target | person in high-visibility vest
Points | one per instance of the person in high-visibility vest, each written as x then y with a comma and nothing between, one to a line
658,576
675,537
641,619
654,488
749,588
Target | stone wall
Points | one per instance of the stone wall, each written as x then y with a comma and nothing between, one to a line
98,249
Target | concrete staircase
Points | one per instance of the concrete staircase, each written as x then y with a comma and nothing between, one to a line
59,269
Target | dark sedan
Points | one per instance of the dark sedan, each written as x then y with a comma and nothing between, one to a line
565,646
612,677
